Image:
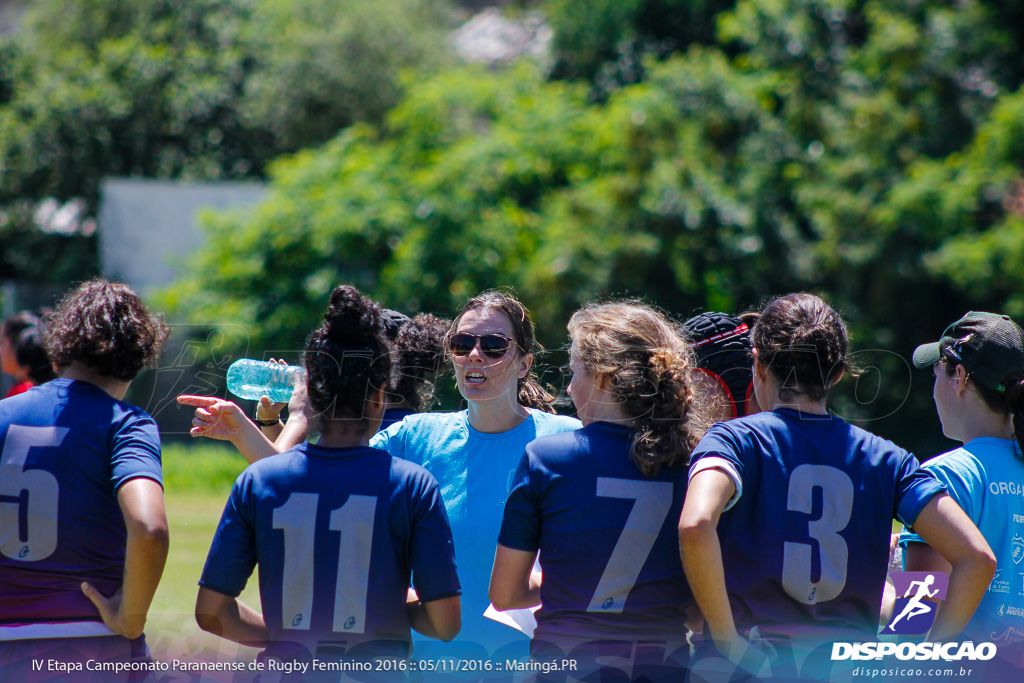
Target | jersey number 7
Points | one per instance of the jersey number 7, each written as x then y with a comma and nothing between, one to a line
652,501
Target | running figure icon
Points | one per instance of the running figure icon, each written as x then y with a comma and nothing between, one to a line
915,606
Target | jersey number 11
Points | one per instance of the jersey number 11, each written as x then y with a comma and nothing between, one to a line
354,520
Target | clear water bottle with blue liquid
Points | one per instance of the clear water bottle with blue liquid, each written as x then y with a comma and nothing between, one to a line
251,379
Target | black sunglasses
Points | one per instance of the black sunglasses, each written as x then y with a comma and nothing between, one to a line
491,345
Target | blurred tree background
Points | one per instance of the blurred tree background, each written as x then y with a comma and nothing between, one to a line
697,153
197,90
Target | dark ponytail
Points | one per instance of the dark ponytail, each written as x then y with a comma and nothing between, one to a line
30,353
804,344
347,357
1015,406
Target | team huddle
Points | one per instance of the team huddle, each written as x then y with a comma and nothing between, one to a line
702,505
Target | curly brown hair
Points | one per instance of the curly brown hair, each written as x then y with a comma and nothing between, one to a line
420,347
648,365
106,326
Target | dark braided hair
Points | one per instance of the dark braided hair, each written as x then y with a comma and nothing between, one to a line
648,365
347,357
531,394
420,347
105,326
804,344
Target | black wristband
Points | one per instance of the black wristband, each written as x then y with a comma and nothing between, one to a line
266,423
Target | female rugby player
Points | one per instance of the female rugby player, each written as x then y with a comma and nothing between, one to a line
83,532
337,527
979,395
788,515
601,504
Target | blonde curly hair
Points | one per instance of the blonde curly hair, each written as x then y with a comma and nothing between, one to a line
648,366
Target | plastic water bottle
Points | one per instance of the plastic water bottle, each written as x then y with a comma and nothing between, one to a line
251,379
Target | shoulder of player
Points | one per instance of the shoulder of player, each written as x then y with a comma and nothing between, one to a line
959,462
740,427
134,414
547,424
873,443
272,464
878,451
418,425
555,450
554,444
406,470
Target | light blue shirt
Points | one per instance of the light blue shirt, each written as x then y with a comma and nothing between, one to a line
986,478
475,471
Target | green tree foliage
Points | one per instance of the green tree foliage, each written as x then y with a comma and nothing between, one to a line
606,41
490,179
870,151
975,202
193,89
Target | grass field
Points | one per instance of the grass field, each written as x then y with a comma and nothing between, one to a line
197,479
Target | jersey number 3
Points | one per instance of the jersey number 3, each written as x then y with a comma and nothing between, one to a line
32,492
651,502
837,507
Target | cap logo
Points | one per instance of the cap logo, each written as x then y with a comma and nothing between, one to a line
956,348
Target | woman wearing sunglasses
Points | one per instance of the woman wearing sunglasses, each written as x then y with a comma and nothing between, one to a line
601,504
473,453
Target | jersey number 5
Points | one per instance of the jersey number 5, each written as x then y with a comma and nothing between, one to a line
354,519
651,502
33,492
837,507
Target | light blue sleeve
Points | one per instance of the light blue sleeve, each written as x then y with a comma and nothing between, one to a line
548,424
959,485
390,440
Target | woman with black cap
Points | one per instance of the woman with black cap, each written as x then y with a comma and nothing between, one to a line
979,395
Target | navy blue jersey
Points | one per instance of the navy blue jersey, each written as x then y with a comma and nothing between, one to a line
67,446
806,543
607,537
336,533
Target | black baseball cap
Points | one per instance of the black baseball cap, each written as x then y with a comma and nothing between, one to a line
989,346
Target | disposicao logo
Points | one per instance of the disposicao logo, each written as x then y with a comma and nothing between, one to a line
914,612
